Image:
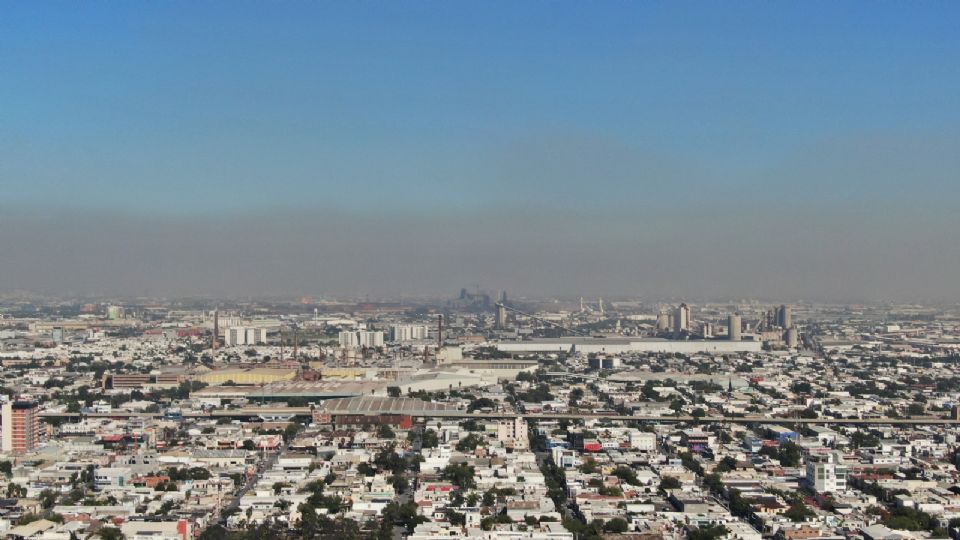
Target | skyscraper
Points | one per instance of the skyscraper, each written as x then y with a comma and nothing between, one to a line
19,426
501,321
681,319
784,316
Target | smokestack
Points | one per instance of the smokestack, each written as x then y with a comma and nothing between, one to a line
296,343
216,329
439,331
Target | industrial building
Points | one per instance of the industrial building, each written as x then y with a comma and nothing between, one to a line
585,345
250,376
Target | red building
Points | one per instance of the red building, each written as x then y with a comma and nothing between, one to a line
20,426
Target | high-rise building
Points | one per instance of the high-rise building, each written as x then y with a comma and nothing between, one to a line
360,338
19,426
409,332
513,433
681,319
115,312
734,327
244,335
501,321
784,316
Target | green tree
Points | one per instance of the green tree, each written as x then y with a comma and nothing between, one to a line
727,464
669,482
429,439
385,432
460,475
616,525
110,533
799,512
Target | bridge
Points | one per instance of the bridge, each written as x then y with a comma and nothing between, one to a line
291,412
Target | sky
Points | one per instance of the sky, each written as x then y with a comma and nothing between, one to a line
806,150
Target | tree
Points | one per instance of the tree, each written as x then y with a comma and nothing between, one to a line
48,498
460,475
385,432
799,512
627,475
394,391
290,432
110,533
16,491
916,409
309,522
616,525
400,484
6,468
711,532
481,403
589,466
469,443
790,454
669,482
456,518
216,532
727,464
248,445
429,439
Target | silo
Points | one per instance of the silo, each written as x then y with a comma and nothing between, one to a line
792,338
733,327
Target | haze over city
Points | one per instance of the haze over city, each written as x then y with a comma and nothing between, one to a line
497,270
747,150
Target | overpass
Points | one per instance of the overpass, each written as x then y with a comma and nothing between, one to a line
276,412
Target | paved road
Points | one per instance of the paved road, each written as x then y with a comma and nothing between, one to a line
262,466
252,412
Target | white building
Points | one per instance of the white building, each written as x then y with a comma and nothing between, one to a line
361,338
513,433
643,441
409,332
827,474
681,318
244,335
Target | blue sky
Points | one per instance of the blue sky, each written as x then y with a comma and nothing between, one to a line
178,110
452,103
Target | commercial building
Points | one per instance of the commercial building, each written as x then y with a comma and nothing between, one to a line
19,427
827,474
